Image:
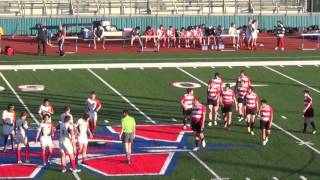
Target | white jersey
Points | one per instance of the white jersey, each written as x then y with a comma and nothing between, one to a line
82,126
91,105
63,115
45,110
45,129
233,31
8,118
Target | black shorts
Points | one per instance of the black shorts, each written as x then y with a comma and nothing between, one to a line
309,113
186,112
240,100
264,125
251,111
227,108
212,102
196,127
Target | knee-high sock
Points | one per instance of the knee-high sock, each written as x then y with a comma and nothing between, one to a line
43,155
26,155
18,154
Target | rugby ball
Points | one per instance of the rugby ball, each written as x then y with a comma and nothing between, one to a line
30,87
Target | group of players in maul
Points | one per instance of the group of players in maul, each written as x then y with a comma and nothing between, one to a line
246,103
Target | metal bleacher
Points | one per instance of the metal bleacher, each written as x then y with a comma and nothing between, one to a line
144,7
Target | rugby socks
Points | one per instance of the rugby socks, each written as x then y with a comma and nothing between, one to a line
305,125
63,166
73,164
18,155
26,155
313,125
43,155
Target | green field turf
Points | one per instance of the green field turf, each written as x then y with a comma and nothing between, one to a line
149,90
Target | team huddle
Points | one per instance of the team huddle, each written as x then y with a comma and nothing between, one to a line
72,137
246,104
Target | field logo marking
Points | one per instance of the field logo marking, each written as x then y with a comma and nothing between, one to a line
185,85
278,127
122,96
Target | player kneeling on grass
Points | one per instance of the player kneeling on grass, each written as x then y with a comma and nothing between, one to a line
198,118
66,141
8,119
186,103
127,134
251,107
21,137
83,129
308,112
266,118
227,100
213,96
46,131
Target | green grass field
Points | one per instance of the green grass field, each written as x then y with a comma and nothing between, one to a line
149,90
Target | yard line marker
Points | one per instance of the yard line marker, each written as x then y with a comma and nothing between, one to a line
283,117
248,67
247,178
106,121
299,65
288,77
123,97
160,147
205,165
316,65
51,69
230,67
15,70
275,178
124,68
213,67
194,67
34,70
19,98
159,67
106,69
280,128
174,119
141,68
302,178
282,66
70,69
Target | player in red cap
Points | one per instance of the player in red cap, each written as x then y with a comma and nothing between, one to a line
251,107
266,118
198,117
187,104
227,100
308,112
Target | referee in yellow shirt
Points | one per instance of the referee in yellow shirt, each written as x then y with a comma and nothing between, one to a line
128,132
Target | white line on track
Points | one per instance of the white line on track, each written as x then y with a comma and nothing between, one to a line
205,165
19,98
278,127
76,175
284,117
123,97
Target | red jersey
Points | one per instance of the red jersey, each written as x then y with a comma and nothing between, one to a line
184,33
227,97
187,101
246,79
307,101
241,91
214,88
266,113
197,113
251,100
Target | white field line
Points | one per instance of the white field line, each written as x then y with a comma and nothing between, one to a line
205,165
280,128
156,65
123,97
19,98
284,117
292,79
76,176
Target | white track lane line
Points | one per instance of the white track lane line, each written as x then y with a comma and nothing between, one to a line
123,97
205,165
19,98
278,127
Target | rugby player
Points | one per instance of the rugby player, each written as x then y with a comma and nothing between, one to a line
243,77
198,117
162,35
8,119
66,141
241,91
171,33
46,108
266,118
92,107
213,95
251,108
308,112
46,131
227,100
82,128
127,134
66,112
187,104
21,137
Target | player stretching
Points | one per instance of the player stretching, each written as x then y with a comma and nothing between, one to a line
92,107
66,141
83,129
46,131
308,112
127,134
66,112
21,137
227,99
8,119
266,118
213,95
186,103
46,108
198,118
251,107
241,91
